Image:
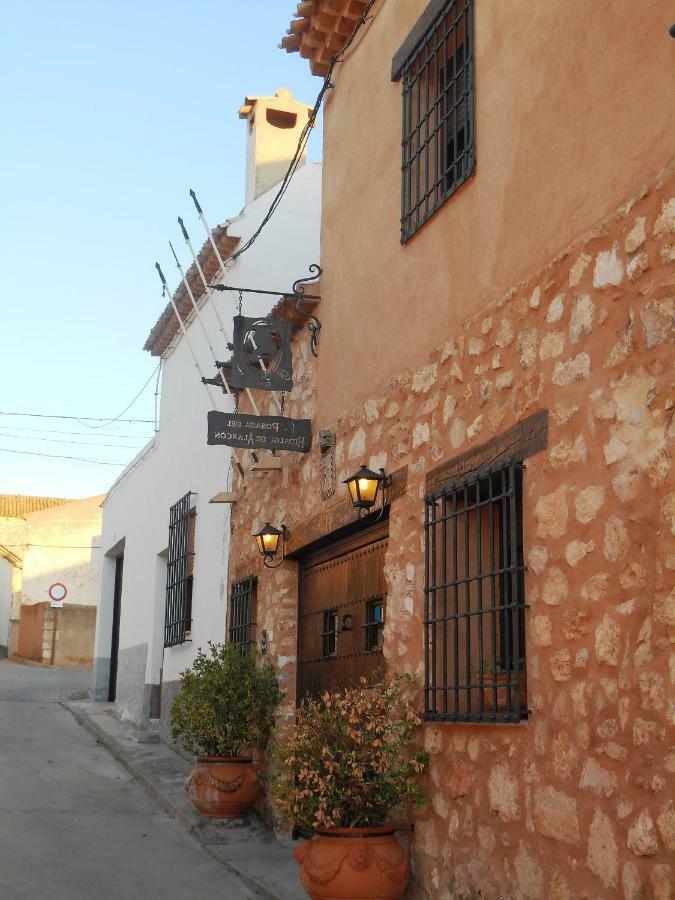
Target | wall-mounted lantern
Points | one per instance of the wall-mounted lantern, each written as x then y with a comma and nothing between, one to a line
364,487
267,540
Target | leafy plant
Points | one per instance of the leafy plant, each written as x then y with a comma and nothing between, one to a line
348,761
226,702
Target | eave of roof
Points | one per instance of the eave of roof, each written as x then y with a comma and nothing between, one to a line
320,30
17,506
6,553
166,327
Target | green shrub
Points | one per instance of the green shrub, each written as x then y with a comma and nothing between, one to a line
348,761
226,702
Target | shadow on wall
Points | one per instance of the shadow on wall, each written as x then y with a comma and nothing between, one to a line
58,637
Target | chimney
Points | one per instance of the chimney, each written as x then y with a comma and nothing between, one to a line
274,128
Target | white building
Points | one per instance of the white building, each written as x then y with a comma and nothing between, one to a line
49,578
132,664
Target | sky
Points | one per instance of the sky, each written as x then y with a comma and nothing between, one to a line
111,112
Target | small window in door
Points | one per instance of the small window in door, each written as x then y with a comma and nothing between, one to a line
374,624
330,632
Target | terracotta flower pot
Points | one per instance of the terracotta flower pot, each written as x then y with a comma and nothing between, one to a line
353,864
503,678
223,787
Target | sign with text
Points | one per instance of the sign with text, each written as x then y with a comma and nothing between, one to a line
250,432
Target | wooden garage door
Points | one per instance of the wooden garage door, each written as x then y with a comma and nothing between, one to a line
342,612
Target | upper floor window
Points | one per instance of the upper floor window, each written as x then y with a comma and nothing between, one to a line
435,66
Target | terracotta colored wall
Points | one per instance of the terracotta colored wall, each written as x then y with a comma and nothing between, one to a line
31,627
574,108
574,802
75,630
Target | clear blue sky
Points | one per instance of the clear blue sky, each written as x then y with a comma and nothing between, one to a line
111,112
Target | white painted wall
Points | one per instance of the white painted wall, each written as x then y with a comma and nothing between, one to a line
6,573
63,545
178,460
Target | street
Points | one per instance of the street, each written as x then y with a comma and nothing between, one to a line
75,826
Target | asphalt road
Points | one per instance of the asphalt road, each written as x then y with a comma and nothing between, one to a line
23,681
75,826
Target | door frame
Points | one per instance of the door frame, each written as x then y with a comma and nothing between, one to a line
115,631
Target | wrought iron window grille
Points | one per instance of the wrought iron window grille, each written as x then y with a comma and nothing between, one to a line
179,572
242,629
474,613
437,145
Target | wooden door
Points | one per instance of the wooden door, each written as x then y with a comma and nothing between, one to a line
341,612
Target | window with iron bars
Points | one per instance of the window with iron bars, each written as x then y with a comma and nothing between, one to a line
435,65
179,572
474,614
242,630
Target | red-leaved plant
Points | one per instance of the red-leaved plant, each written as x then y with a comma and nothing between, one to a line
349,760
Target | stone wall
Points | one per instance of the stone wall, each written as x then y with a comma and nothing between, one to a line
572,803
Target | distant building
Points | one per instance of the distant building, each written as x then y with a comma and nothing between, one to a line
49,575
165,545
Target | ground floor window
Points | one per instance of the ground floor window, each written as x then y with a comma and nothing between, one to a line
474,615
180,572
242,628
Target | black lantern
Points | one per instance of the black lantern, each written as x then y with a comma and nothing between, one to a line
364,487
267,540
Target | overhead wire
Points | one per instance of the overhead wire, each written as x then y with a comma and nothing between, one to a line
99,462
140,437
76,418
128,407
304,135
46,440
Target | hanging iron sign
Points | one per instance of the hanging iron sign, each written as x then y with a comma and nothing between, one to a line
259,432
261,354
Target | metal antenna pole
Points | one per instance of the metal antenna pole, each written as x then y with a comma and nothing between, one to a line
192,352
209,293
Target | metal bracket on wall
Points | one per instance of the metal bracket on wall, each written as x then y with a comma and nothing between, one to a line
297,297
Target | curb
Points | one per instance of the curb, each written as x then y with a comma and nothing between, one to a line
187,823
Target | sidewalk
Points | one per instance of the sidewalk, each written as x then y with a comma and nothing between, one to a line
264,863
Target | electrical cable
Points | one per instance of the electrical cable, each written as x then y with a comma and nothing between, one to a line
23,437
140,437
110,421
159,373
55,546
76,418
99,462
304,135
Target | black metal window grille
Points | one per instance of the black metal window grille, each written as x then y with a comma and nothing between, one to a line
474,614
331,627
243,612
438,148
179,571
374,624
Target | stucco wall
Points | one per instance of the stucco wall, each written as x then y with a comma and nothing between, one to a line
63,547
574,802
136,512
6,572
574,108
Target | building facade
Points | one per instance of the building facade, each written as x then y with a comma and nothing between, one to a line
49,578
497,312
165,544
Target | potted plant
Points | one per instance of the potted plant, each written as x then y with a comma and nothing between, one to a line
224,709
346,766
504,678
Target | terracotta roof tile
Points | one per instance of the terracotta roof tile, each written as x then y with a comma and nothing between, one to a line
320,30
166,327
18,506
